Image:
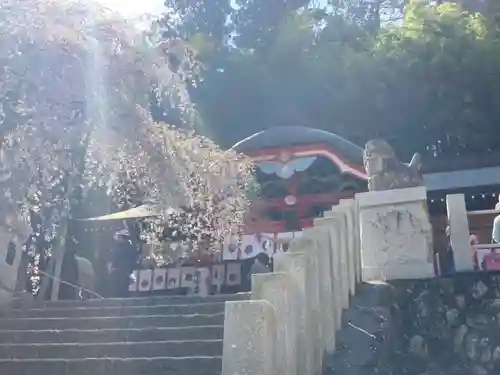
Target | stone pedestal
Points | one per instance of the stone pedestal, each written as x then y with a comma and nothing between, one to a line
249,338
396,234
459,232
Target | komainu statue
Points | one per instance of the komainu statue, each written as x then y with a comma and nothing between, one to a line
386,172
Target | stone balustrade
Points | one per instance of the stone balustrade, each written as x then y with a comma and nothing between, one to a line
308,291
291,323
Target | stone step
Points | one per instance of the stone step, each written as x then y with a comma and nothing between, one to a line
207,348
112,322
114,366
112,335
144,301
117,311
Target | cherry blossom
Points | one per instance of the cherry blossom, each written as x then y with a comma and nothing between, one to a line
76,83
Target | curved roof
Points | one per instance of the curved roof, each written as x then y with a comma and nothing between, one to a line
284,136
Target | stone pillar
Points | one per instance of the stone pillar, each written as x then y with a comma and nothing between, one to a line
337,291
295,264
329,245
459,232
396,234
308,246
352,221
357,231
249,338
342,253
347,210
321,236
278,289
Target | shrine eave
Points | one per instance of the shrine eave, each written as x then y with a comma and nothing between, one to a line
286,136
462,179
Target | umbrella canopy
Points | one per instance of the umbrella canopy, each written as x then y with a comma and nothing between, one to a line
140,212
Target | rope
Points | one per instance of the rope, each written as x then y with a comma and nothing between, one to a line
80,288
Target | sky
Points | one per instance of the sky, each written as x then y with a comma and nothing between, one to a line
134,8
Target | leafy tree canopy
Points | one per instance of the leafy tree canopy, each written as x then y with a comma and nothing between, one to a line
425,77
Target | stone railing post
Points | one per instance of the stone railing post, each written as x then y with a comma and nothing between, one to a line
396,234
459,232
352,218
278,289
333,223
249,338
328,244
295,264
321,239
343,254
357,238
308,245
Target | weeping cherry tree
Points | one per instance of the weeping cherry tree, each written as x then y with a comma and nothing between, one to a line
75,90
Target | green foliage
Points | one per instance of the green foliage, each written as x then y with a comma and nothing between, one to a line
426,78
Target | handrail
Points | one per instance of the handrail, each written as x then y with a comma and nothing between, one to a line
486,246
71,285
483,212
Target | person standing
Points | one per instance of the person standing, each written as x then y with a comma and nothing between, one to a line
495,233
261,264
123,262
446,257
474,240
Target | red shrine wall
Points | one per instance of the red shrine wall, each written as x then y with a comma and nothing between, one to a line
261,218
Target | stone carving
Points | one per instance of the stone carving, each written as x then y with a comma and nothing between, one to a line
401,226
396,237
386,172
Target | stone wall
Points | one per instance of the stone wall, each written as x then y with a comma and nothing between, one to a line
439,326
445,326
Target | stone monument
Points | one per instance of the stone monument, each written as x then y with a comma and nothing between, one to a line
395,230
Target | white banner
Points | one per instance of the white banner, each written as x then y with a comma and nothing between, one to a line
233,274
202,281
174,278
230,250
160,279
187,277
145,277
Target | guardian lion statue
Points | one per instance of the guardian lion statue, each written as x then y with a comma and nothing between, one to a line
386,172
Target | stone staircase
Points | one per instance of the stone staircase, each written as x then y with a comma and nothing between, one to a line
136,336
